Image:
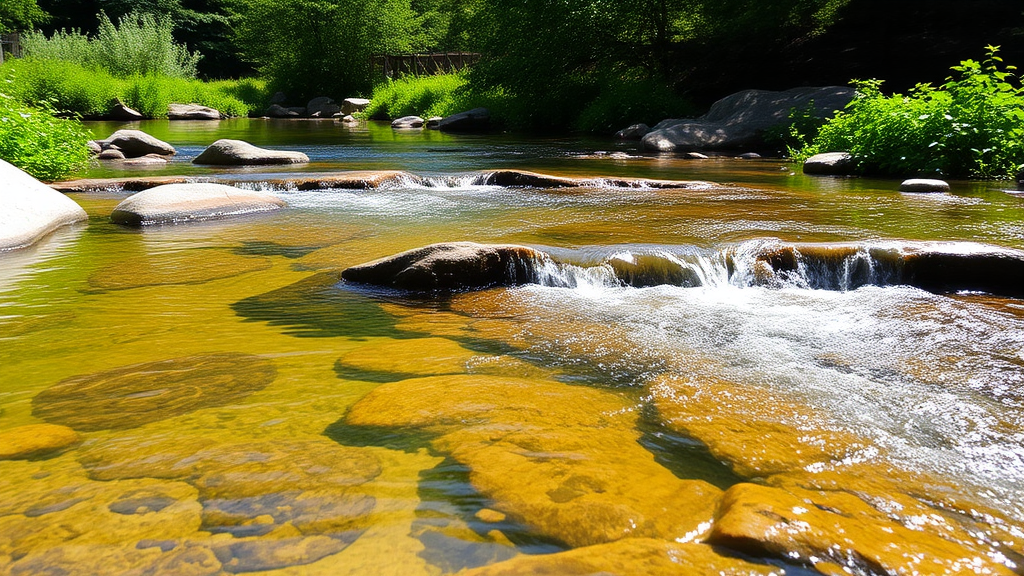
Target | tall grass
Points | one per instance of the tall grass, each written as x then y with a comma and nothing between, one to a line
76,89
139,44
38,142
441,95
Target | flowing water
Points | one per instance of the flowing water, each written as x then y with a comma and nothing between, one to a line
236,407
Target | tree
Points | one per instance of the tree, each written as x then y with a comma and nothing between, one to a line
310,48
20,15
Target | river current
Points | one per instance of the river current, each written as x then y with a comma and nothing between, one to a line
238,408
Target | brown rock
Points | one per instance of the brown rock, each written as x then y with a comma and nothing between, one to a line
35,440
177,203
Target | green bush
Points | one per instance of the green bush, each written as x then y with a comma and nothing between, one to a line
441,95
139,44
629,99
73,88
970,126
38,142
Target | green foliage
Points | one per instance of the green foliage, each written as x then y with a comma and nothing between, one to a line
631,100
309,48
20,15
139,44
38,142
424,96
970,126
73,88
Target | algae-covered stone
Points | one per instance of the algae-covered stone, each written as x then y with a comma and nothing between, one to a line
174,268
629,556
839,528
133,395
391,360
561,459
175,203
35,440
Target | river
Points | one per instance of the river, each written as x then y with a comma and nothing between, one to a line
241,409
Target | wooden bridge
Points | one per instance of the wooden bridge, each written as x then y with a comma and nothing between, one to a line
397,65
10,44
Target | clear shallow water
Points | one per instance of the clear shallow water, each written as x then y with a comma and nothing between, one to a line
239,409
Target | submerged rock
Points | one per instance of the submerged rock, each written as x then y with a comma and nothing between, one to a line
35,440
740,120
924,185
830,164
192,112
147,160
451,266
561,459
227,152
174,268
30,209
134,395
175,203
135,143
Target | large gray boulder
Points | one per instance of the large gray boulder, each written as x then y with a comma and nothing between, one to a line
278,111
830,164
475,120
192,112
227,152
353,105
30,209
123,113
136,143
407,122
322,107
178,203
451,266
924,185
739,121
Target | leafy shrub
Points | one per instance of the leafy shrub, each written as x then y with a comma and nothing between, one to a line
424,96
628,100
72,88
38,142
139,44
970,126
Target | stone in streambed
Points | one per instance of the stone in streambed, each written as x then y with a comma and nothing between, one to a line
30,209
924,185
134,395
393,360
633,132
353,105
322,107
111,154
451,266
35,440
192,112
829,164
147,160
226,152
278,111
123,113
175,203
407,122
135,143
475,120
561,459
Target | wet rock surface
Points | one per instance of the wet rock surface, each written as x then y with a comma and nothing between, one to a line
407,122
133,395
830,164
29,209
924,185
450,266
176,268
561,459
177,203
35,440
192,112
136,143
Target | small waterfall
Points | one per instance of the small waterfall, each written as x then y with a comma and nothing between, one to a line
935,267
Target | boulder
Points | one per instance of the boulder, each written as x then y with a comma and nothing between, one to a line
451,266
353,105
830,164
349,119
475,120
749,156
226,152
121,112
924,185
35,440
192,112
111,154
433,123
278,111
278,98
94,147
740,120
135,143
174,203
322,107
407,122
30,209
634,132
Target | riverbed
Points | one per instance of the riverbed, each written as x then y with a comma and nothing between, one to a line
239,408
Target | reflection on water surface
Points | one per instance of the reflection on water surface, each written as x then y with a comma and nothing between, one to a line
217,401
